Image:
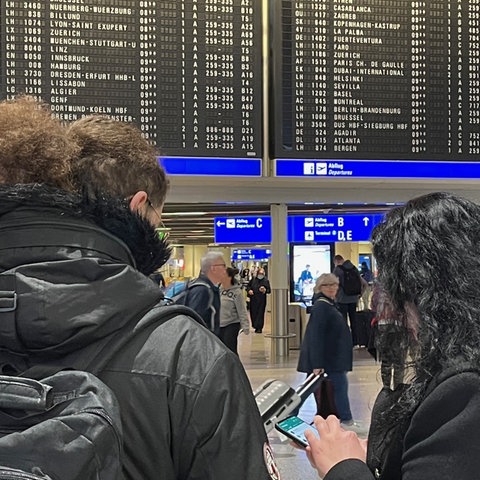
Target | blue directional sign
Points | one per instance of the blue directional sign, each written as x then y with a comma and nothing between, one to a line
251,254
243,230
332,228
326,168
301,229
240,167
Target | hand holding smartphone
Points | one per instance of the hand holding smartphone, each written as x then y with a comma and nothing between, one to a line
294,428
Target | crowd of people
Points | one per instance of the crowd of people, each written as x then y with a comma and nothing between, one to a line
79,205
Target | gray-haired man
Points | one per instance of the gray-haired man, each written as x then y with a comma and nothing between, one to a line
203,294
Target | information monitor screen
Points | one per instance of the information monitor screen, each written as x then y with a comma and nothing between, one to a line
307,263
188,73
376,80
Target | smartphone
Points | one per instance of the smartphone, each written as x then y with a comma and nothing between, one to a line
294,428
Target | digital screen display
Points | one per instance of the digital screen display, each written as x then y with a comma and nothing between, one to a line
307,263
296,427
375,80
188,73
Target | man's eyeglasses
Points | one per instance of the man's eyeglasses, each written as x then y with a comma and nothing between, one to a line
219,265
150,204
329,285
162,231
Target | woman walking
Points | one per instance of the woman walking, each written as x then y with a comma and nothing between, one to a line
233,311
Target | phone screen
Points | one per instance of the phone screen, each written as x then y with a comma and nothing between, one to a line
294,428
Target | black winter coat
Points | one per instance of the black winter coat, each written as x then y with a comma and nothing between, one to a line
327,342
187,406
258,297
440,441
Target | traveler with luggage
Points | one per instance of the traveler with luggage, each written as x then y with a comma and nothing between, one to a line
327,346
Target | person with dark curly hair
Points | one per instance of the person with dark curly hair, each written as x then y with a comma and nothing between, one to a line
78,266
115,157
33,145
428,256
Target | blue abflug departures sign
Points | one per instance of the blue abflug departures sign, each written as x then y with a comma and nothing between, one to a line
300,229
332,228
243,230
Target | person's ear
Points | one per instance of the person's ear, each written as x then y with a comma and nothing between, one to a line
139,202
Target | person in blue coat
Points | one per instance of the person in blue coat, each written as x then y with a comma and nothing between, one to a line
327,344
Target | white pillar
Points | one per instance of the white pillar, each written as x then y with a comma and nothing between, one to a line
278,276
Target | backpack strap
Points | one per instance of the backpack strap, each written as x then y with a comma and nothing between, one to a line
39,371
156,316
94,360
324,300
200,283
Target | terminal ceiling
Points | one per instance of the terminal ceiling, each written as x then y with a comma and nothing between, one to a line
194,202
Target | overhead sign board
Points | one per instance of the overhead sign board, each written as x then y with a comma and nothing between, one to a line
396,169
309,228
332,228
239,167
251,254
243,230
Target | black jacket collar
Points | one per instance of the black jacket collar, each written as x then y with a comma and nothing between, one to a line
46,212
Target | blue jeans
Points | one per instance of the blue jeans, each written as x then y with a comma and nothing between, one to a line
340,389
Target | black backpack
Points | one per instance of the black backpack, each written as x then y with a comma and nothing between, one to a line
352,285
67,426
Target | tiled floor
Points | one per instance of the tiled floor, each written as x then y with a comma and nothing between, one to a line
364,384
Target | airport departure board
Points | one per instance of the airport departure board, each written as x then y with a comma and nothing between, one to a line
188,72
376,79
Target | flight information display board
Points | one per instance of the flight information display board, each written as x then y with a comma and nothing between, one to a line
188,73
376,79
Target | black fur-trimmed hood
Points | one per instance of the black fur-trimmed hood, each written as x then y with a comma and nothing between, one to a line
72,271
147,250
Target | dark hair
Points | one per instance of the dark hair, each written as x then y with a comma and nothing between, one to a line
428,257
232,272
338,257
115,158
34,145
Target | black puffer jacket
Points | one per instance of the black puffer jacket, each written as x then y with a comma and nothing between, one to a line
187,407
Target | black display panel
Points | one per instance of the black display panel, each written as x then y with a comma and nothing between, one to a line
376,79
188,73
